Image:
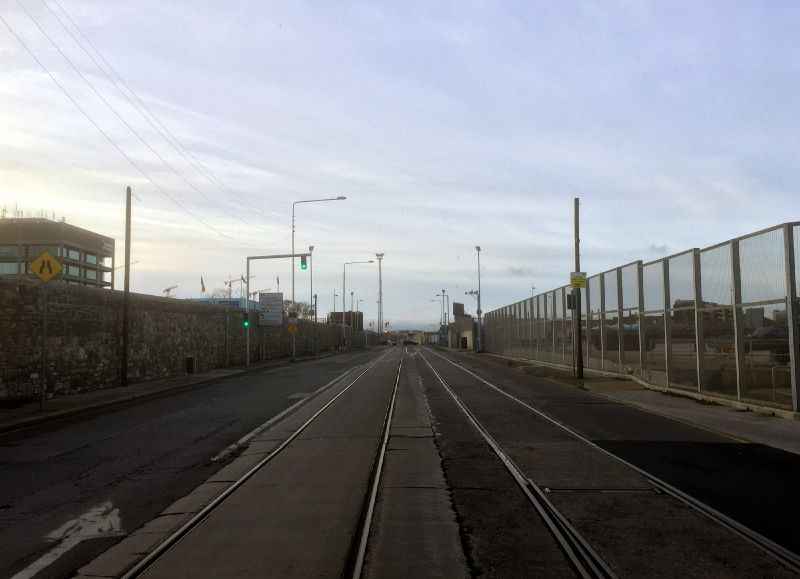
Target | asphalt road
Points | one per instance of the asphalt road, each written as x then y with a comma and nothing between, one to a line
119,468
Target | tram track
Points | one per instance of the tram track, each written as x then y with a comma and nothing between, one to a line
358,548
582,557
142,566
785,557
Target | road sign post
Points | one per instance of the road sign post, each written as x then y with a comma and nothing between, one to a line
45,267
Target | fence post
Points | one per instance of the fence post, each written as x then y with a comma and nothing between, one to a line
620,333
602,278
699,336
588,359
667,325
640,301
792,312
736,283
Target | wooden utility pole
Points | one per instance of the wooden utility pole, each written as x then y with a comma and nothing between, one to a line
126,291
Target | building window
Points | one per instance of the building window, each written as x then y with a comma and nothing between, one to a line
91,258
90,273
6,267
8,251
35,251
73,270
73,254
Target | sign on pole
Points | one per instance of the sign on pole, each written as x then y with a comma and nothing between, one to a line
45,267
270,309
577,279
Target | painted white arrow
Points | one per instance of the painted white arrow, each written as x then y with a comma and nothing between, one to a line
101,521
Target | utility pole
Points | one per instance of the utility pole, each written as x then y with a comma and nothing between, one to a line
576,292
480,325
127,288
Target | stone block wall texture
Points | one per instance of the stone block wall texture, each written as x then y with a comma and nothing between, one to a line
84,338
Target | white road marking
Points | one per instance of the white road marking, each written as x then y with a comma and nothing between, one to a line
101,521
247,437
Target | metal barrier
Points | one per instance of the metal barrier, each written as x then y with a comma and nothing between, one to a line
718,321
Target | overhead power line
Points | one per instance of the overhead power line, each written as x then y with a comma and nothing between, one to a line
141,107
123,120
109,139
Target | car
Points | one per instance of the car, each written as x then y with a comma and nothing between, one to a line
410,343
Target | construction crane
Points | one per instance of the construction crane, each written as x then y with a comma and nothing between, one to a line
168,291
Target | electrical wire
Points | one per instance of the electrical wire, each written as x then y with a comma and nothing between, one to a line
123,120
110,140
188,156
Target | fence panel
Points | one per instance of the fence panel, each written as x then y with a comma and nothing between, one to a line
715,321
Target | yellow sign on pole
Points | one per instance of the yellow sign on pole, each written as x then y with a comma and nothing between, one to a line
577,279
292,329
46,267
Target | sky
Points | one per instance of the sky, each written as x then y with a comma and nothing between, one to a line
445,124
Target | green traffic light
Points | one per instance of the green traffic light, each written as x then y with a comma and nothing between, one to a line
303,264
246,323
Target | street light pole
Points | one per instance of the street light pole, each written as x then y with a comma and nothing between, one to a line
314,298
380,297
311,298
480,325
294,306
344,294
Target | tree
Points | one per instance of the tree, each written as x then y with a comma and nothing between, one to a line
303,309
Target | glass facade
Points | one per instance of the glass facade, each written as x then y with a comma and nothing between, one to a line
716,321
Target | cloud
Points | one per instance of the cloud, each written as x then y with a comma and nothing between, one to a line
657,249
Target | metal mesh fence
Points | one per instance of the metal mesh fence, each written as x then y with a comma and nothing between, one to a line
717,321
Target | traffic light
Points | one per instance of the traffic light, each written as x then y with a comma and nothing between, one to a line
245,320
303,264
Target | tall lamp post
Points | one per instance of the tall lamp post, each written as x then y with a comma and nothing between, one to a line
380,297
480,324
440,313
344,294
294,306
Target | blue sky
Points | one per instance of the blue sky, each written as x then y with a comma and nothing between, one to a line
446,124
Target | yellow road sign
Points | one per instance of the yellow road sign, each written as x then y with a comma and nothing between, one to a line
577,279
292,329
46,267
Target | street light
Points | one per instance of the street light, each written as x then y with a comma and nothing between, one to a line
294,304
440,310
344,294
380,293
480,326
339,198
311,272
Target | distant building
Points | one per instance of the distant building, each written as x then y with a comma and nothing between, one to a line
87,258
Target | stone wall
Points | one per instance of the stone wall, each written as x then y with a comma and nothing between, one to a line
84,338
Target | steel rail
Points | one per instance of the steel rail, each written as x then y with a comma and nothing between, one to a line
786,557
355,561
145,563
584,559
